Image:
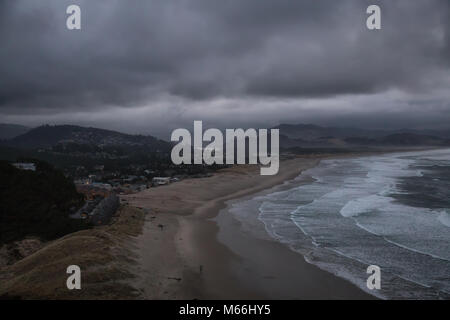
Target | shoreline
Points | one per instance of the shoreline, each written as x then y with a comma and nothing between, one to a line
181,257
181,242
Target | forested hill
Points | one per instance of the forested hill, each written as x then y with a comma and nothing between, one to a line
36,203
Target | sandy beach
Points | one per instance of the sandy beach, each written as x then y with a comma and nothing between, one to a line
179,255
181,241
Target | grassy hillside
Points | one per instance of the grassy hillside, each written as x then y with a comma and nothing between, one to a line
100,252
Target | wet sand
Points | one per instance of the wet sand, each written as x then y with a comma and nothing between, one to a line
180,255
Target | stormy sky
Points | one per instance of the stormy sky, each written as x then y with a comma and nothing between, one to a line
156,65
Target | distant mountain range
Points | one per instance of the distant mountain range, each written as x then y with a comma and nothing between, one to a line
9,131
311,136
69,136
75,140
314,132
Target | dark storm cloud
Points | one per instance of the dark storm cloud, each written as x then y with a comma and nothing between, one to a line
130,54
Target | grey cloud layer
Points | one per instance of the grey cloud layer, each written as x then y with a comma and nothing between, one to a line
133,53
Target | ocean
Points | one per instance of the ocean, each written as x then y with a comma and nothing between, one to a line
390,210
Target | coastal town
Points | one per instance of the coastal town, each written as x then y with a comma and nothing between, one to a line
102,188
132,179
102,198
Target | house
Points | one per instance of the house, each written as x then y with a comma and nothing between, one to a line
25,166
159,181
100,185
130,179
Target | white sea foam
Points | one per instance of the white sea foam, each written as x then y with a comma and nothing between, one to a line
349,210
444,218
363,205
